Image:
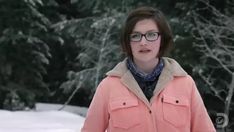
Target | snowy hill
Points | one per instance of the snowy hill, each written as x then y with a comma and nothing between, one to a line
46,118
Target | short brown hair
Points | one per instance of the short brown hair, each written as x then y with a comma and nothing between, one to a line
142,13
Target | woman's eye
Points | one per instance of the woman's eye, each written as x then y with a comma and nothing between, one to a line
134,35
151,34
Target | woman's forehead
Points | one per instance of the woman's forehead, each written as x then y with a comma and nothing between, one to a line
145,25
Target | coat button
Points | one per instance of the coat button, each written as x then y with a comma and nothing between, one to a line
177,101
150,111
124,103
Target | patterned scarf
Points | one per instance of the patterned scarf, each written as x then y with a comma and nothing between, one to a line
147,82
149,77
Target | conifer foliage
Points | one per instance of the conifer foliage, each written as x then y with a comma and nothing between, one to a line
23,53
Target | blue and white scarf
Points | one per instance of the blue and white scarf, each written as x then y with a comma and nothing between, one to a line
146,82
149,77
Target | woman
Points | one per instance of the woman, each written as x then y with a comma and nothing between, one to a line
147,92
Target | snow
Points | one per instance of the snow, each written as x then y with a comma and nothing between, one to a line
46,118
73,109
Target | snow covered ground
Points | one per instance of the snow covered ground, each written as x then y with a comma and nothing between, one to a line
46,118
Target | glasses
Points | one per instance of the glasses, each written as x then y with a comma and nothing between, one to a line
149,36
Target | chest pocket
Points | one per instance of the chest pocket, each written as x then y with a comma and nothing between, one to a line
175,110
124,113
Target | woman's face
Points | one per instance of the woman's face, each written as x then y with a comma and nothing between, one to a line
146,49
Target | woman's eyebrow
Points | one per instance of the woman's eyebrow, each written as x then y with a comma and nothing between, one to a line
153,30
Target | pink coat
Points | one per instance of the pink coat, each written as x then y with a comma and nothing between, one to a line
119,105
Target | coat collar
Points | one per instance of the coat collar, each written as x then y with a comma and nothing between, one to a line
171,69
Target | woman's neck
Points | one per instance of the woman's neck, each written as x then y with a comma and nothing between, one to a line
146,67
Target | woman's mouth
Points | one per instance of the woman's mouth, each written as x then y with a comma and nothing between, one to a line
144,51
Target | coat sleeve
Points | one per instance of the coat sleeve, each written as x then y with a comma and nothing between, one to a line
97,116
200,120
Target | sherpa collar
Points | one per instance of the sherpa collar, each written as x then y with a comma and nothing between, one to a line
171,66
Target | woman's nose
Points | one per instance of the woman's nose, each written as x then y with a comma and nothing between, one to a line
143,41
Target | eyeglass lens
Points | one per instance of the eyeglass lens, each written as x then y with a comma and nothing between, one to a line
150,36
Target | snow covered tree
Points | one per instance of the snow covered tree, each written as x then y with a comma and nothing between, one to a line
214,39
23,53
99,49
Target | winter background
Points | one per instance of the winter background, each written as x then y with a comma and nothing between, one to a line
44,118
57,51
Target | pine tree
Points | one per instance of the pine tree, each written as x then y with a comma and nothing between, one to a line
23,53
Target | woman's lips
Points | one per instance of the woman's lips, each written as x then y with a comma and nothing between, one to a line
144,50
